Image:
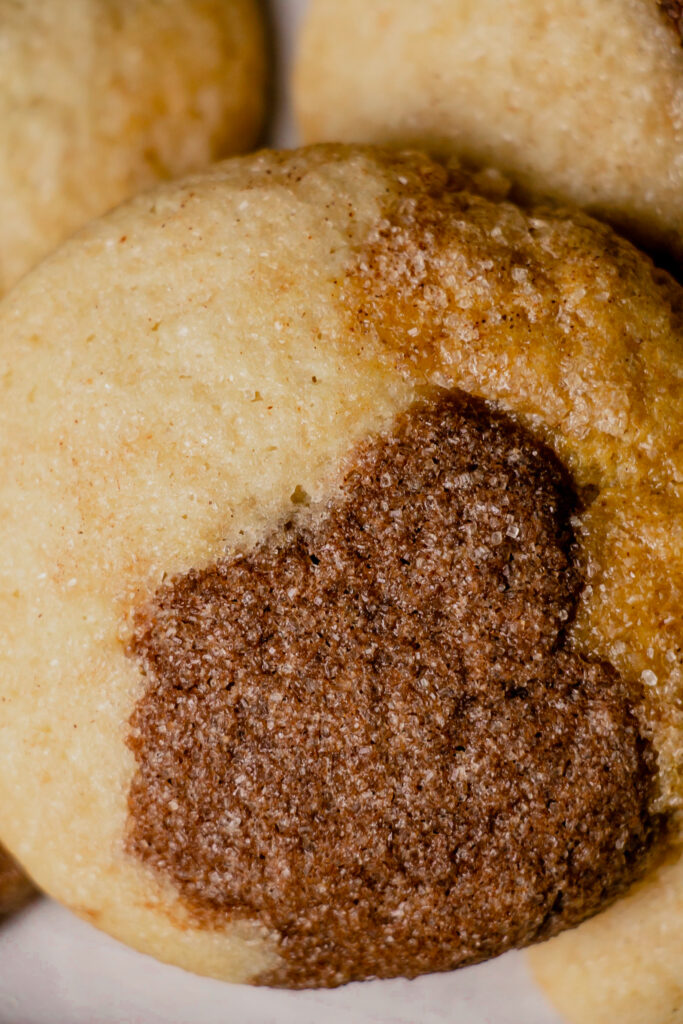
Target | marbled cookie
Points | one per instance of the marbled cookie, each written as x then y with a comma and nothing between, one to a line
341,572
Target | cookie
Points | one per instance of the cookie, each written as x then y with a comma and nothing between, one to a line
102,98
341,570
580,101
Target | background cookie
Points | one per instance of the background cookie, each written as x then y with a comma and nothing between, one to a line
582,101
223,397
100,98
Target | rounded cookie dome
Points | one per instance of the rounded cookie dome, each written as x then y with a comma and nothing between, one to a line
340,569
102,98
579,101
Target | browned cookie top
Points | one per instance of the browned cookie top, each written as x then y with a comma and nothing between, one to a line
367,732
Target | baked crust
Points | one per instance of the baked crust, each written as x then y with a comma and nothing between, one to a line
192,359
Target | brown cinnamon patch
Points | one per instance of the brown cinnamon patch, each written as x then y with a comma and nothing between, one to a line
367,733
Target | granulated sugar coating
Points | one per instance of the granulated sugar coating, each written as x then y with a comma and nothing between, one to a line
366,733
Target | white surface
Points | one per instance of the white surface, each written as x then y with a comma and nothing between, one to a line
54,969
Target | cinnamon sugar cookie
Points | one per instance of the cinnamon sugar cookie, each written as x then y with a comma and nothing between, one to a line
341,571
579,100
102,98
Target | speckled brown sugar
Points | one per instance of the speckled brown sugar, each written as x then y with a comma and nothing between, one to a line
367,734
673,9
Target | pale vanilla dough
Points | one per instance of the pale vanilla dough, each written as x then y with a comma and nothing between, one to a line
181,369
102,98
581,100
